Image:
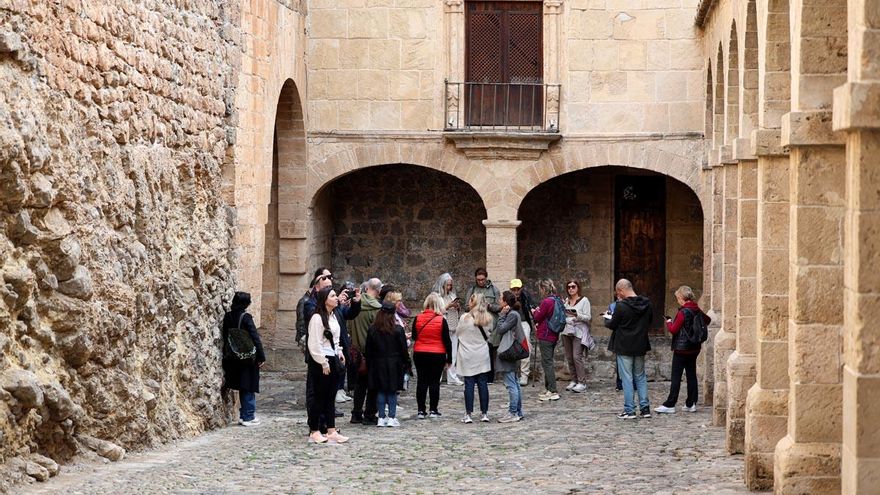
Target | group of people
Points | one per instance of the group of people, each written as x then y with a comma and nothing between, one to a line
359,336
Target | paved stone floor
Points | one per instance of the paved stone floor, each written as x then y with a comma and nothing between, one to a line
575,445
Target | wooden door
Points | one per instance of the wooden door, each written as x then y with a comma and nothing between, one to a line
504,64
640,240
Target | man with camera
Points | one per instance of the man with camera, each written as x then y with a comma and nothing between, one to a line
629,326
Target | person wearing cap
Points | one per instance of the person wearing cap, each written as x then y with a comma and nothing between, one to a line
526,303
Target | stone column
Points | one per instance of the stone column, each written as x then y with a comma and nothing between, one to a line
857,112
501,251
767,401
725,339
741,363
808,457
715,227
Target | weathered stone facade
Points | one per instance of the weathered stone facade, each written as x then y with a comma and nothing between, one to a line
114,244
155,156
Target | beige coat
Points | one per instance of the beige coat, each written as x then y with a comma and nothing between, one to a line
473,352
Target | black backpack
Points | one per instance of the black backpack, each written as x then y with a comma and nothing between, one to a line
697,332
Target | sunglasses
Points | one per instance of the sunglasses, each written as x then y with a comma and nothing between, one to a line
325,277
572,286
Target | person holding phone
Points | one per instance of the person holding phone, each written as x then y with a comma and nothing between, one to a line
576,335
452,311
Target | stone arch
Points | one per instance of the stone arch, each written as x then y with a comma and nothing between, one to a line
578,239
403,223
774,64
284,207
718,137
748,119
732,111
681,161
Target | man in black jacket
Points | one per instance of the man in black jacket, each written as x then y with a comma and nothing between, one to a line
629,340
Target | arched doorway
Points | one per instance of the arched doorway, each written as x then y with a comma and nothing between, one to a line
405,224
598,225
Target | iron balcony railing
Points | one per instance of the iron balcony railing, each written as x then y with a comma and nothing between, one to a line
502,107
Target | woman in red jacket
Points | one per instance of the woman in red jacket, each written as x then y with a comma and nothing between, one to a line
684,353
432,352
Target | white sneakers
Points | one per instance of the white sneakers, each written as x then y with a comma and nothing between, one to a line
547,395
523,380
467,419
510,418
693,408
253,422
571,385
580,387
484,418
664,410
341,396
389,422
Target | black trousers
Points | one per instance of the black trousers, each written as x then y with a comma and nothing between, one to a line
429,366
361,393
321,408
492,352
688,364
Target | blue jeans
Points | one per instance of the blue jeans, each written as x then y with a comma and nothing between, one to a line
632,368
389,398
482,382
513,390
248,405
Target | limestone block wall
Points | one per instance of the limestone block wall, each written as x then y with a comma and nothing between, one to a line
114,241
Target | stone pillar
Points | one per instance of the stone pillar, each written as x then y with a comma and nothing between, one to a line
741,363
767,401
857,112
715,227
725,338
808,458
501,251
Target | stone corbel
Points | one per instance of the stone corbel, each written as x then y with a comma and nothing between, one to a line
810,128
855,106
742,149
453,6
552,7
768,142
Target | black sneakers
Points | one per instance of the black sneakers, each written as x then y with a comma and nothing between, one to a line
645,412
626,415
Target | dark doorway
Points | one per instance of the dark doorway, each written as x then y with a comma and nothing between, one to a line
504,63
640,241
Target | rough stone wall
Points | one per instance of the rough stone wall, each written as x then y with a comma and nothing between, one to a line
406,226
114,242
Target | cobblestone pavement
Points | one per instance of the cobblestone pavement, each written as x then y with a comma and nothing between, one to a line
575,445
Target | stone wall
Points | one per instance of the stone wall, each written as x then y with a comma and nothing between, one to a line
114,244
405,225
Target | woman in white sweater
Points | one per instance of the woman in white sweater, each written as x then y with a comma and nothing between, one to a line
324,365
452,312
473,356
576,335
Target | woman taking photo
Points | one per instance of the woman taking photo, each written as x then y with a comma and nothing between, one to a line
547,340
325,364
576,332
473,355
452,312
432,353
388,358
511,331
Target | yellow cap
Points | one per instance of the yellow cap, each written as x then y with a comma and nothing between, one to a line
515,283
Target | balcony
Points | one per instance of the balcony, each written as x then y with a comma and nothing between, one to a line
502,120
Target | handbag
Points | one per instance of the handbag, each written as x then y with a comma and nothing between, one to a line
518,350
357,361
240,343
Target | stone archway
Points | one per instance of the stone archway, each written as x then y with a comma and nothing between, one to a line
570,226
403,223
286,199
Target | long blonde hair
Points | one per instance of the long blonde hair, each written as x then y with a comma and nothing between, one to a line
479,311
434,302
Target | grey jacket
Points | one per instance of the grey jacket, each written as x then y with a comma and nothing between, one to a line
509,330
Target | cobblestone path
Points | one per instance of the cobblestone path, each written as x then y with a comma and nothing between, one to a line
575,445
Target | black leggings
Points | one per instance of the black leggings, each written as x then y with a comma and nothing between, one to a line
429,366
324,388
688,364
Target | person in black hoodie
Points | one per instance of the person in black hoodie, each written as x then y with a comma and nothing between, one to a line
629,340
243,374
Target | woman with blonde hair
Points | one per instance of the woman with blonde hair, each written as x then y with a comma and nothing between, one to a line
473,355
452,311
432,353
